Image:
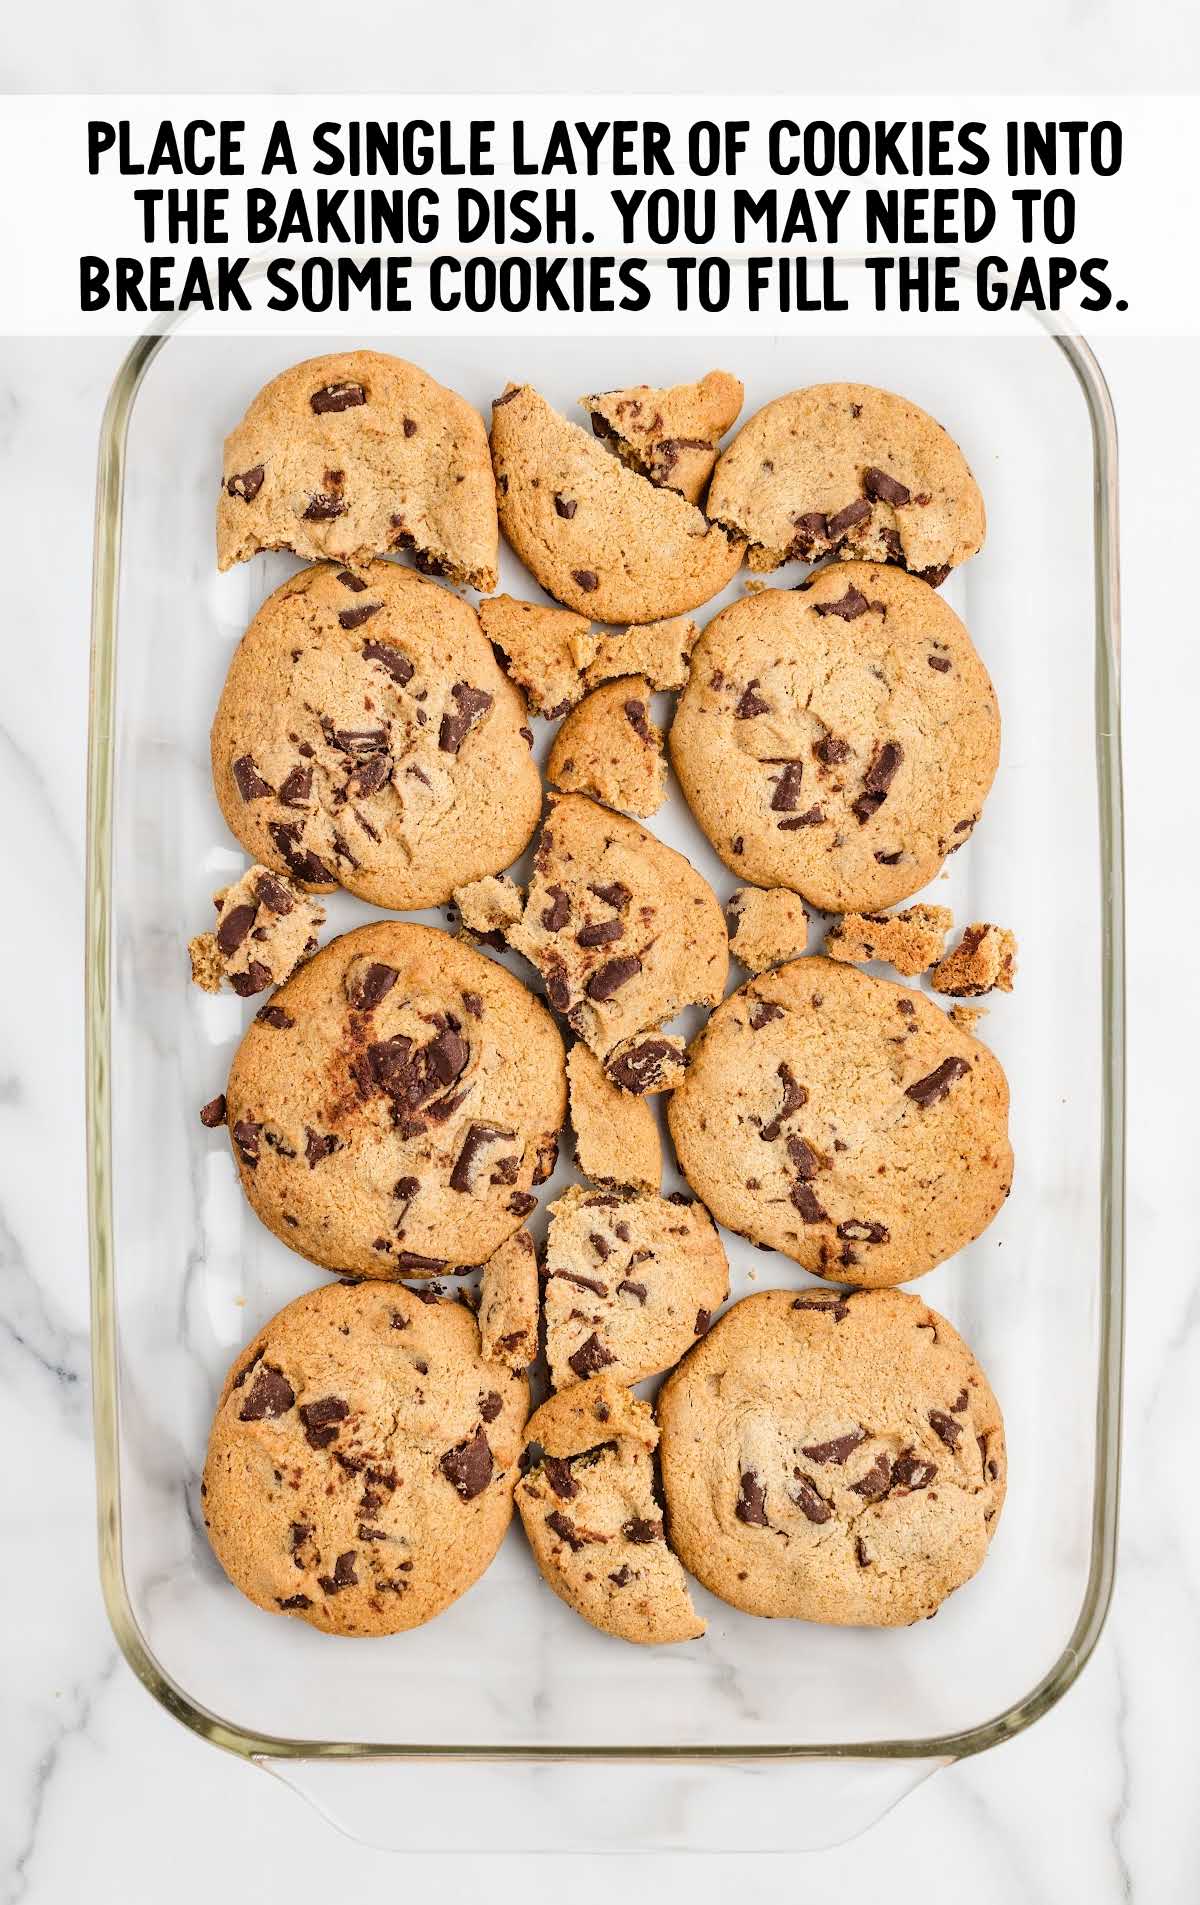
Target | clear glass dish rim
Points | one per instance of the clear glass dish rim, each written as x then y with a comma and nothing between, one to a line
1089,1623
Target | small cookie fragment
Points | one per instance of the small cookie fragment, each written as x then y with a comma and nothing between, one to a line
587,1503
670,435
767,925
265,928
508,1303
911,941
608,747
984,960
632,1279
597,536
545,649
623,929
966,1017
348,457
616,1135
659,651
648,1062
488,907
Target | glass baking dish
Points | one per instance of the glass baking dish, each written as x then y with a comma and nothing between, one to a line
764,1734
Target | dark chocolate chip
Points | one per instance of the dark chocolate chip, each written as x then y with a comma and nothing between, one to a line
590,1357
874,1485
641,1068
945,1428
751,1504
750,704
609,978
234,927
250,783
318,1145
335,397
786,797
837,1450
324,505
936,1085
601,934
830,750
911,1472
469,1467
320,1420
566,507
877,780
270,1395
354,618
939,662
856,512
861,1230
246,483
642,1530
388,656
853,604
762,1011
471,705
558,1474
811,1504
587,580
213,1113
343,1575
808,1203
635,714
882,488
478,1138
302,864
372,985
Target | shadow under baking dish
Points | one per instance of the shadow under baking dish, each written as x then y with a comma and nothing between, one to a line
182,1273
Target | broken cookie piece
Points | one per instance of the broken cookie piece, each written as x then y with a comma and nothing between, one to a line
670,435
545,649
609,747
767,926
647,1063
265,928
616,1136
659,651
588,1505
508,1303
984,960
488,907
911,940
967,1017
631,1280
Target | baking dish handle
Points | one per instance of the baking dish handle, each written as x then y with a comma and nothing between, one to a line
599,1805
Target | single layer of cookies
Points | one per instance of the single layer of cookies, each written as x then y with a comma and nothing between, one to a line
350,456
844,1121
648,1062
911,941
366,738
767,925
266,927
632,1279
545,648
851,471
587,1503
609,748
984,960
595,535
362,1460
392,1114
623,929
508,1303
839,739
617,1144
830,1458
658,651
669,435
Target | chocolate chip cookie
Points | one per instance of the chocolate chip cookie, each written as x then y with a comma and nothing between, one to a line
617,1144
849,471
366,738
767,925
544,648
508,1303
658,651
610,748
832,1458
362,1460
984,959
355,455
839,739
632,1279
911,940
623,930
392,1111
669,435
588,1506
596,535
844,1121
266,926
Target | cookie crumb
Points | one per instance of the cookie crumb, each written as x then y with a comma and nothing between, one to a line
966,1017
984,960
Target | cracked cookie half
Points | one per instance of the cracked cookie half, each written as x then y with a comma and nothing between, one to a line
670,435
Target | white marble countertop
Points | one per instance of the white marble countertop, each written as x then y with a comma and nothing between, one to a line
101,1791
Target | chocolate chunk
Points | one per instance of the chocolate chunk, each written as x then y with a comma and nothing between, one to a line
794,1097
628,1287
890,859
827,1300
274,895
786,797
751,1506
877,780
557,989
874,1485
245,1136
213,1113
837,1450
587,580
250,783
641,1530
318,1145
323,506
556,915
246,483
939,662
615,894
575,1538
388,656
302,864
293,1600
601,934
831,751
372,985
811,1504
910,1472
296,788
860,1230
558,1474
623,1576
354,583
762,1011
813,527
337,397
635,714
357,740
640,1069
853,604
882,488
590,1357
474,1004
354,618
254,980
412,1260
945,1428
856,512
547,1157
234,927
270,1395
469,1466
703,1319
750,704
566,507
804,1158
471,705
808,1203
477,1139
320,1420
521,1203
935,575
343,1575
609,978
811,818
929,1090
410,427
